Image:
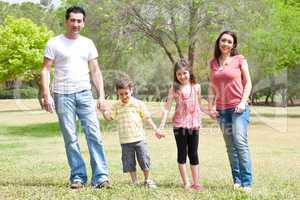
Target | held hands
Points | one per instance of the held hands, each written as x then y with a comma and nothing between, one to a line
48,104
102,105
213,114
159,134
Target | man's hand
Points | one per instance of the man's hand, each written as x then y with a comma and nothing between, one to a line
48,104
102,105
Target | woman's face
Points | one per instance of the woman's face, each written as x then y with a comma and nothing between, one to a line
226,43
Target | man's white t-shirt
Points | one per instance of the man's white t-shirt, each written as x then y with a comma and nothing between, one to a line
70,56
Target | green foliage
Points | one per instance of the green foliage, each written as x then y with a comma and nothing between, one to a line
21,48
19,93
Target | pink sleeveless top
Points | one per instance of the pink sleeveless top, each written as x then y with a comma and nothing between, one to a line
187,111
228,82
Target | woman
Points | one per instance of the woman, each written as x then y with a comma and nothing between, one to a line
228,94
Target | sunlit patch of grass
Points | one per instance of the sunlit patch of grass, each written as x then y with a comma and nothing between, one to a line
33,163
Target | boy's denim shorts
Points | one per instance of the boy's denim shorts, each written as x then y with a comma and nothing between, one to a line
131,152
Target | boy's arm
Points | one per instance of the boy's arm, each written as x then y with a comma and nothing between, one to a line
157,132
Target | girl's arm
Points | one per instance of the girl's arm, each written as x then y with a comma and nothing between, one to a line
157,133
167,108
247,88
211,100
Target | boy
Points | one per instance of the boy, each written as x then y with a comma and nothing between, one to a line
130,113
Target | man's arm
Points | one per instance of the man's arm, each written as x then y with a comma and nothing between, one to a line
47,102
98,82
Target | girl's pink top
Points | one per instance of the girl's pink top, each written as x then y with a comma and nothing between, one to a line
187,111
228,82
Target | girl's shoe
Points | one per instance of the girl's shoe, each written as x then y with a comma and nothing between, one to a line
187,187
237,186
198,187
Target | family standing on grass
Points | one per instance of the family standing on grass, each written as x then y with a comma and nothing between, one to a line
75,60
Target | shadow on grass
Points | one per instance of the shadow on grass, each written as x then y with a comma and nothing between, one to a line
33,184
46,129
269,115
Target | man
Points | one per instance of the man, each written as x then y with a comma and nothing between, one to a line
72,55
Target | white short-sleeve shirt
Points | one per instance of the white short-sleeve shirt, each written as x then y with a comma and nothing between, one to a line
71,57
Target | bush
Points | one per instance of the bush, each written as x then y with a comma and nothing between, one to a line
20,93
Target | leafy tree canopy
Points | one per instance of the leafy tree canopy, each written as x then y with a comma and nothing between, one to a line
21,48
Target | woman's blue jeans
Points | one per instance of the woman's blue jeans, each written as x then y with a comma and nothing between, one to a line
81,105
235,132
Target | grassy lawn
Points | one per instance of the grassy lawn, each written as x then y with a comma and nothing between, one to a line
33,163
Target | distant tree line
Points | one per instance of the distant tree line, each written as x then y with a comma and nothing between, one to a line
143,38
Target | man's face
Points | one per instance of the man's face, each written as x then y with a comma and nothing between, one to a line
75,23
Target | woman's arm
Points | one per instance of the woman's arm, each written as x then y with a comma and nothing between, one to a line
211,100
247,88
206,111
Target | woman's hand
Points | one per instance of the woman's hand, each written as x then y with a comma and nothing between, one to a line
213,114
240,107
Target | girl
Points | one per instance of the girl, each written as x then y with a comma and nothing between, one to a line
230,89
186,121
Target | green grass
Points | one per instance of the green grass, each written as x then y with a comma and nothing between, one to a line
33,163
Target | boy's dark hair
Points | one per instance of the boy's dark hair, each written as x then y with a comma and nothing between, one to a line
124,84
75,9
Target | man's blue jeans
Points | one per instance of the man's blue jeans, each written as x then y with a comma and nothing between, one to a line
235,132
81,105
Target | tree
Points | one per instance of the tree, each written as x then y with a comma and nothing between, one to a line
21,49
274,48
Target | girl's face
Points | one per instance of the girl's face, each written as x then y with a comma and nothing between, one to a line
124,94
183,76
226,43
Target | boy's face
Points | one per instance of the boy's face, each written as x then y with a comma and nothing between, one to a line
124,94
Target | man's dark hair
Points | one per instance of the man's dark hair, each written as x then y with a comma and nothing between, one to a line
75,9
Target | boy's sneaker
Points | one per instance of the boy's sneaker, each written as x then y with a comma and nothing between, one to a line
76,185
135,183
237,186
150,183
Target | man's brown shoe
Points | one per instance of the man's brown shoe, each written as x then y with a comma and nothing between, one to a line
76,185
104,184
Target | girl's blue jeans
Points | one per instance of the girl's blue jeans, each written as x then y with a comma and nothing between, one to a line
234,127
